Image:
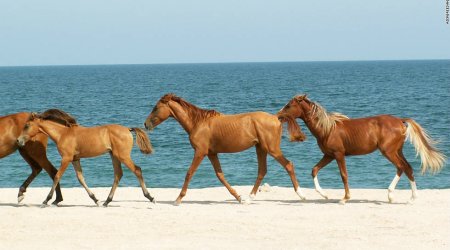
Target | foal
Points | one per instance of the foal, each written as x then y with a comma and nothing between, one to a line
75,142
338,136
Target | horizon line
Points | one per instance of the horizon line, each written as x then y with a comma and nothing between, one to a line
225,62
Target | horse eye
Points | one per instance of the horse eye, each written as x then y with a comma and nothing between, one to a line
26,126
288,106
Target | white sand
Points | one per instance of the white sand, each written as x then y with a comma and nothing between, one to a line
210,218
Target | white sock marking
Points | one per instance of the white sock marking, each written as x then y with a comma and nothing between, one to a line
318,188
300,194
414,190
392,188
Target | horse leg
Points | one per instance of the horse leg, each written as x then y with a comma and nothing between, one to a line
138,172
44,163
262,169
289,167
194,166
315,171
77,166
118,173
395,159
36,151
216,164
410,174
64,164
35,170
340,158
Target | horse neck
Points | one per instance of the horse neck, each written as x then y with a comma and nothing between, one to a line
182,116
312,123
53,130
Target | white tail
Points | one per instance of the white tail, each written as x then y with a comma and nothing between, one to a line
430,156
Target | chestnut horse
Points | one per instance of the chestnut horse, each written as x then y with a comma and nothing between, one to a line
211,132
75,142
33,152
339,136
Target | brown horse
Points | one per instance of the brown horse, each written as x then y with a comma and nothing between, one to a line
339,136
75,142
33,152
211,133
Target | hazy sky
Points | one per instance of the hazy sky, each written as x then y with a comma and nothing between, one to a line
60,32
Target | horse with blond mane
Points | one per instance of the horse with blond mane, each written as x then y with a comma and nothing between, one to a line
338,136
33,152
211,133
75,142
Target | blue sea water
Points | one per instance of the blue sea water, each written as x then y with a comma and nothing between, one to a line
125,94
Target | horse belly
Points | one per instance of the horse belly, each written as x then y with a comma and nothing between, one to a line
232,135
92,147
361,146
232,145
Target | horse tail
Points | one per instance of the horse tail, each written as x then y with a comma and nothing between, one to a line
142,141
430,156
295,132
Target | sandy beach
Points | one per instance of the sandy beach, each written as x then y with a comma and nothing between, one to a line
210,219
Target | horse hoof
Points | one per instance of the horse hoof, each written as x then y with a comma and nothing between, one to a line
20,198
97,203
343,201
391,198
153,201
44,205
245,200
324,195
301,195
177,203
105,204
265,188
412,200
56,203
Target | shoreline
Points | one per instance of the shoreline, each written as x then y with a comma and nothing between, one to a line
211,218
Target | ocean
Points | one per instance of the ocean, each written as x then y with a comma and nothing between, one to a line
125,94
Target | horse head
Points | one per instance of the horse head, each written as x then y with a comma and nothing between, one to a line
161,111
297,107
30,130
292,110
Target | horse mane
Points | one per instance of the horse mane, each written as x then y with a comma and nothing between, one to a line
325,121
58,116
197,114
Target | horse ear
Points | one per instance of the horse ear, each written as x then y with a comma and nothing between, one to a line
33,115
166,98
300,98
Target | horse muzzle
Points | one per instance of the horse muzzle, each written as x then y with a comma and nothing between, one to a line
148,125
21,141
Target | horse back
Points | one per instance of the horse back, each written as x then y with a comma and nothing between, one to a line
364,135
371,123
94,141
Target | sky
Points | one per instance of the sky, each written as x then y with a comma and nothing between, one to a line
62,32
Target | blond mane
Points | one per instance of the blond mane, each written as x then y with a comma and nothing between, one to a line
326,121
